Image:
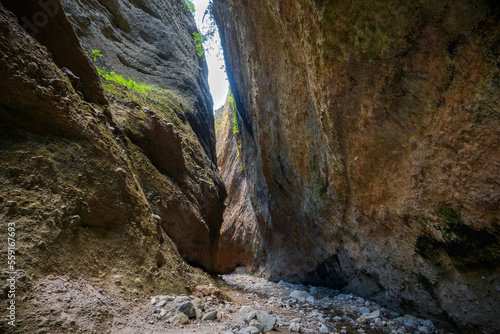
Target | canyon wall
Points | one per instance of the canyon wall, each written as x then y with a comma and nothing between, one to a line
149,41
101,180
370,143
240,239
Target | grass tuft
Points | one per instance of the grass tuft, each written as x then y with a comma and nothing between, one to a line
119,79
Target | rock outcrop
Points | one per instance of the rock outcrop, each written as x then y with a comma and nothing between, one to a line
370,137
150,41
122,190
44,20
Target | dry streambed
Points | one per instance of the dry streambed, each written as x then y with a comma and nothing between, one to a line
253,305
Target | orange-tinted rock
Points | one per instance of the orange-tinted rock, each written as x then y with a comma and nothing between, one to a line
240,239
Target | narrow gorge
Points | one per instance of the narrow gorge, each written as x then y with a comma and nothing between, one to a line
350,184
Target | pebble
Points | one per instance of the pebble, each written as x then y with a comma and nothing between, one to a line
364,310
295,327
323,329
179,319
246,309
210,316
300,295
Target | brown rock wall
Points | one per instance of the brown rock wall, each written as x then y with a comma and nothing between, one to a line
371,147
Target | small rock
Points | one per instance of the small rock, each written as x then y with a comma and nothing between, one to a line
410,319
246,309
121,172
188,309
179,319
256,324
210,316
368,316
313,290
249,330
32,67
161,303
424,329
266,320
163,313
310,300
295,327
296,320
250,315
197,302
299,295
199,313
166,297
428,323
323,329
182,299
364,310
58,84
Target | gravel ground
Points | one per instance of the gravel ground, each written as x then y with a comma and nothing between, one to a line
247,304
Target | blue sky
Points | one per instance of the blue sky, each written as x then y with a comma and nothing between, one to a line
216,76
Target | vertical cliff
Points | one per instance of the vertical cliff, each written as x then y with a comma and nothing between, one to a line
370,137
99,179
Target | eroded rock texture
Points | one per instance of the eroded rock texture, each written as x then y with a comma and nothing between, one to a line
124,191
240,237
370,137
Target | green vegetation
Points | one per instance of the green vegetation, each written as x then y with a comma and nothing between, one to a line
235,123
94,54
162,101
198,40
450,216
140,87
234,111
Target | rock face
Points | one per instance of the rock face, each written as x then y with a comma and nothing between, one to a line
240,237
150,41
124,190
45,19
370,137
